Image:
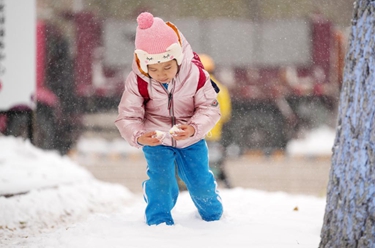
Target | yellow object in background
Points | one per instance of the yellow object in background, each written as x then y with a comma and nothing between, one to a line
223,98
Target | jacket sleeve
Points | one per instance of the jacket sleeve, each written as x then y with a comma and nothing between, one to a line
207,110
130,119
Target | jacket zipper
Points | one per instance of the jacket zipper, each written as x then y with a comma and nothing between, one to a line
171,111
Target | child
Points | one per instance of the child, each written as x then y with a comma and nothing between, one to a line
164,59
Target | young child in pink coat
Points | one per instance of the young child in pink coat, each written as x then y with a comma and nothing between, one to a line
171,125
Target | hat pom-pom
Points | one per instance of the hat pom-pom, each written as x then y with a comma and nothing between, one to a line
145,20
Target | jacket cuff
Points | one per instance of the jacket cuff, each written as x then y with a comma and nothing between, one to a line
195,129
136,136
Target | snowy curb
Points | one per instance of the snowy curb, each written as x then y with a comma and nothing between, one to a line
46,209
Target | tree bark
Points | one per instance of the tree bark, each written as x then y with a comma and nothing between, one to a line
349,219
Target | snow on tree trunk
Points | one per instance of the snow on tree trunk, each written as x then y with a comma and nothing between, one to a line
349,219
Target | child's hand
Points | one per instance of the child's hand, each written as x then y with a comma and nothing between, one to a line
149,139
185,132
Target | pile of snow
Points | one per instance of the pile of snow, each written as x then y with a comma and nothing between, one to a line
42,210
317,142
24,167
75,210
40,190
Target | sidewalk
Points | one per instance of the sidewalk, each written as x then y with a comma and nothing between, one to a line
276,173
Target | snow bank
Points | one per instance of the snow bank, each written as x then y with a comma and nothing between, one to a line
24,167
317,142
47,190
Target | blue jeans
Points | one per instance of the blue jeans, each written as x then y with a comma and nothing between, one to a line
161,189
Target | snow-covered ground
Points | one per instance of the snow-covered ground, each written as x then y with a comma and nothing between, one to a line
67,207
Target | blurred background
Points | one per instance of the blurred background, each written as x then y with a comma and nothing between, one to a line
281,61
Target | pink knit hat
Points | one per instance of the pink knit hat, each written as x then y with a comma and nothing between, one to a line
155,41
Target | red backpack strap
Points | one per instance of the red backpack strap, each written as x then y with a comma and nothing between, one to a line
202,77
142,88
197,61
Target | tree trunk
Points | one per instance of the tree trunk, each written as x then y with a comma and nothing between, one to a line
349,219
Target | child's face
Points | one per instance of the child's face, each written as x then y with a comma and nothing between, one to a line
163,72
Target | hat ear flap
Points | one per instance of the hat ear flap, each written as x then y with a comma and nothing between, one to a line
144,59
138,63
175,50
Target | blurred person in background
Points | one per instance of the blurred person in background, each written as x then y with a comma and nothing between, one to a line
217,147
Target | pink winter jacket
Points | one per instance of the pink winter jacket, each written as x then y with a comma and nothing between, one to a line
188,106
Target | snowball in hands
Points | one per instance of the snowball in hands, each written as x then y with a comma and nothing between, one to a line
159,135
175,129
